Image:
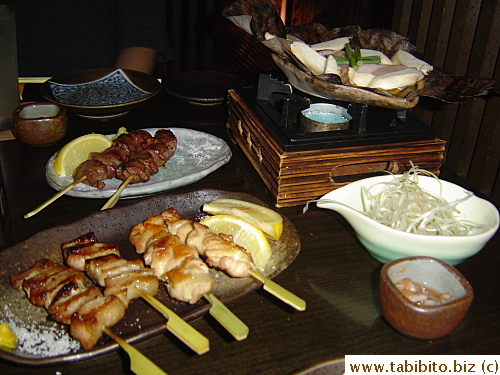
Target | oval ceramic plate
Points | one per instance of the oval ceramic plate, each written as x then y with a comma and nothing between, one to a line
198,154
44,342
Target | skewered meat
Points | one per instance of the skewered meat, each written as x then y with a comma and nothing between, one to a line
101,268
63,308
218,250
103,165
145,163
104,265
77,251
137,153
187,276
44,280
62,292
86,324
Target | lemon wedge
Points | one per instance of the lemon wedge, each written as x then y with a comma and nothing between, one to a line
77,151
8,338
244,234
269,221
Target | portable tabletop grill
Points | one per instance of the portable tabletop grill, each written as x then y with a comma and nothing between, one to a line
299,166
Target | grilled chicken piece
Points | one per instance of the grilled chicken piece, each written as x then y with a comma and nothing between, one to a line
63,308
101,268
104,165
141,233
62,292
219,251
189,281
77,251
145,162
86,323
44,280
120,277
179,264
17,280
124,285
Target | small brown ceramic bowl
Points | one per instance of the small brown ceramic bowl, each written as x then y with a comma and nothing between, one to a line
40,124
447,297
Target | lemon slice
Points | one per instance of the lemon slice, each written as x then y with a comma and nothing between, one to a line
270,222
8,338
244,234
77,151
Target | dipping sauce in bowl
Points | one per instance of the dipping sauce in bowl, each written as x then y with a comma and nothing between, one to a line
320,117
423,314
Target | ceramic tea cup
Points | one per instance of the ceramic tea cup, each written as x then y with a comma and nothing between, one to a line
40,124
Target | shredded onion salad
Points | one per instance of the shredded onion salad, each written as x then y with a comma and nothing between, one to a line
403,205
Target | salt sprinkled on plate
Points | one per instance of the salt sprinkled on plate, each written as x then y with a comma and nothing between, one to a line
44,340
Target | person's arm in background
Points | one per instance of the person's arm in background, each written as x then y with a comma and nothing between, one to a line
141,59
142,34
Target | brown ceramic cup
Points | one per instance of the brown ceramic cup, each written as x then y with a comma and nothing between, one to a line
414,320
40,124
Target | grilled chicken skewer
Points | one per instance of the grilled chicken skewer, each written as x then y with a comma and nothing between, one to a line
126,280
187,276
137,153
142,153
218,250
221,252
62,292
104,265
104,165
179,264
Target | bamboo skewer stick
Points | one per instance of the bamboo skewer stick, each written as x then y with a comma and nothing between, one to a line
116,195
139,363
280,292
54,197
226,318
175,324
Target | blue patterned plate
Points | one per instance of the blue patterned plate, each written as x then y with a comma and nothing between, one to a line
100,93
112,89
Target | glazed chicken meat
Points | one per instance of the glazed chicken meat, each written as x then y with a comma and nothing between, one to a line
218,250
179,251
137,154
173,261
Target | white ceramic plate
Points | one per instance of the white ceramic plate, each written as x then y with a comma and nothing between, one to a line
198,154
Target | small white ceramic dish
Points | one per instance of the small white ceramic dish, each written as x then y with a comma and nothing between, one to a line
386,244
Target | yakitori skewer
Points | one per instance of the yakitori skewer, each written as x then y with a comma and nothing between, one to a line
187,275
133,157
226,318
214,248
116,195
127,280
54,197
139,363
279,292
180,328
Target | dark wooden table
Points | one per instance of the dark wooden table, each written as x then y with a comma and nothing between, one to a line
333,272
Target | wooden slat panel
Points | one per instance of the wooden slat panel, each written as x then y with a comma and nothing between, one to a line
463,37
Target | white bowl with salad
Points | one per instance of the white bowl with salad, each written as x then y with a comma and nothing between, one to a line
415,214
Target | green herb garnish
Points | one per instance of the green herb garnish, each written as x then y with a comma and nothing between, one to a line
354,58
